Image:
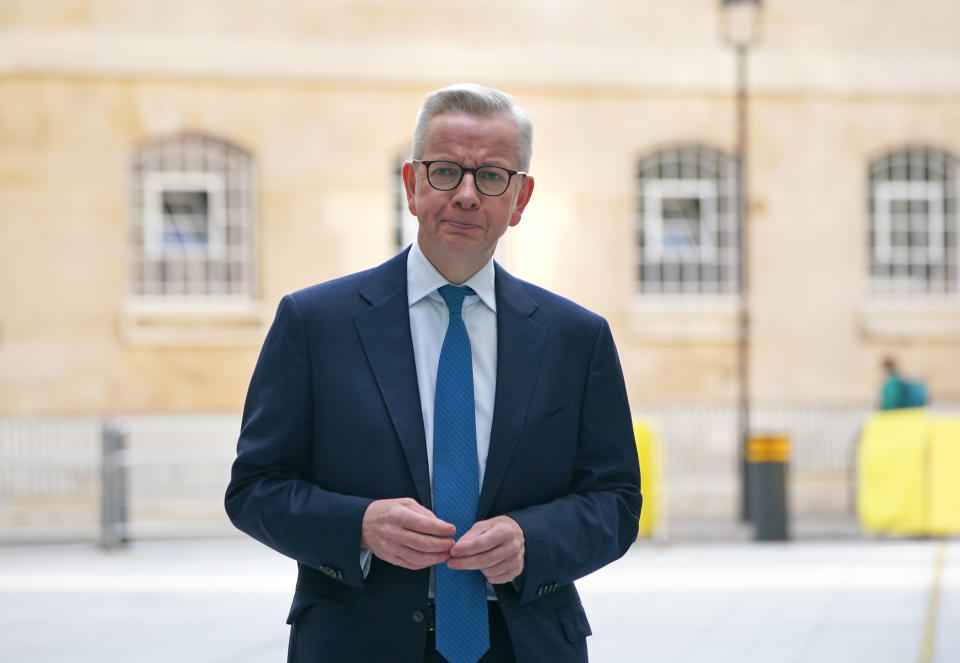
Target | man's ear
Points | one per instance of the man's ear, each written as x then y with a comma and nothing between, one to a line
523,197
410,186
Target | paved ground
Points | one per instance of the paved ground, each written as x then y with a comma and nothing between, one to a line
218,601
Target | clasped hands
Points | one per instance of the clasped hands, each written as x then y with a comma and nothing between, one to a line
405,533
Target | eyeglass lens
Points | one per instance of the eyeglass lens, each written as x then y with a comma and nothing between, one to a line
489,180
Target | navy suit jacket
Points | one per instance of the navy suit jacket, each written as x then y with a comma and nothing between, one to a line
332,421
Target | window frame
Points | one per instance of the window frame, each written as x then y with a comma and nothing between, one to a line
688,171
892,273
700,189
220,274
195,294
155,184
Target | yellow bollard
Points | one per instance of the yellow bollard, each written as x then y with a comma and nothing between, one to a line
648,453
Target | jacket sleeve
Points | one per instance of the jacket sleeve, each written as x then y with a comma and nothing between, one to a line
597,520
270,495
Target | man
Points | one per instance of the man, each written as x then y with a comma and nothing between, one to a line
442,447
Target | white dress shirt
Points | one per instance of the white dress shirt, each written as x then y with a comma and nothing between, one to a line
429,318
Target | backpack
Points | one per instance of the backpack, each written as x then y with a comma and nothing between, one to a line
914,394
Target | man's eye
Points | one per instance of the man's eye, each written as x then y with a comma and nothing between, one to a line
445,171
492,176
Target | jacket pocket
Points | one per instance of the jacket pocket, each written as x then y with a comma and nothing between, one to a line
573,618
302,600
558,425
555,413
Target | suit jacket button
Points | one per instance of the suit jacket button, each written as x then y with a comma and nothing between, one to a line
417,616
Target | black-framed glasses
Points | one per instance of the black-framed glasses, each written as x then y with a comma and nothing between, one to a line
489,180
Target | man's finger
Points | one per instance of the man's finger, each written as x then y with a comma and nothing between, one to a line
502,579
487,535
499,578
429,525
416,560
508,567
415,506
479,562
425,542
477,539
417,518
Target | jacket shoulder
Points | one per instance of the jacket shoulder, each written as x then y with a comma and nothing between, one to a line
557,309
345,295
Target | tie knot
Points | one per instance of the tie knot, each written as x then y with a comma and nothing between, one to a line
453,295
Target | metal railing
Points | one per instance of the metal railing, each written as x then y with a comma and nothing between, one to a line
111,480
164,476
700,450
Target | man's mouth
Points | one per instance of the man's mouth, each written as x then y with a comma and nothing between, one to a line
461,225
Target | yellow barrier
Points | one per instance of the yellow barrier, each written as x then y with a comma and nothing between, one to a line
648,453
943,517
906,464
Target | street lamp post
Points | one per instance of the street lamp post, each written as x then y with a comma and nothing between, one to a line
740,27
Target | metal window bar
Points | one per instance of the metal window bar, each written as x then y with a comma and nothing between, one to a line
710,267
170,273
913,224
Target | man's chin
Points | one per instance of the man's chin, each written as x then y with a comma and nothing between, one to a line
459,248
467,242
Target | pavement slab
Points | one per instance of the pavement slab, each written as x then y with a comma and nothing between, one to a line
213,601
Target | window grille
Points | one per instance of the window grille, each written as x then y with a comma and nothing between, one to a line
687,233
192,222
913,223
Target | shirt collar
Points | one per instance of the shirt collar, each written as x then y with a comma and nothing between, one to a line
423,279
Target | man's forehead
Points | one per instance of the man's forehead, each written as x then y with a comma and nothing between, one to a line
492,125
491,131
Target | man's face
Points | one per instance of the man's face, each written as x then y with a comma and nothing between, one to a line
459,229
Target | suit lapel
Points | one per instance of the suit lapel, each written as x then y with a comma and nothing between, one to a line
519,348
384,331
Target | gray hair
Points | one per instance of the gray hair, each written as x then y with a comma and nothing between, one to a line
473,99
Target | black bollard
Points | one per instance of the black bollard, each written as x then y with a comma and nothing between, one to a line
767,458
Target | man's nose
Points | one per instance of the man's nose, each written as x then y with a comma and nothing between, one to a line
466,195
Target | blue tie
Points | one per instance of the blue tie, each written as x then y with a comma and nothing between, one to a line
461,596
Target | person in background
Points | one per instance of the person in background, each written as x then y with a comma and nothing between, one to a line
899,393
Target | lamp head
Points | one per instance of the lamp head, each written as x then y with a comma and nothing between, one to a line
740,23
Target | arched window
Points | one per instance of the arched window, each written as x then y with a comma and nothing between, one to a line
687,235
913,222
192,222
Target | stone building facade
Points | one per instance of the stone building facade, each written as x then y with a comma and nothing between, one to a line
168,170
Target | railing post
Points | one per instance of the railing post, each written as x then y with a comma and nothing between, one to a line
113,488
